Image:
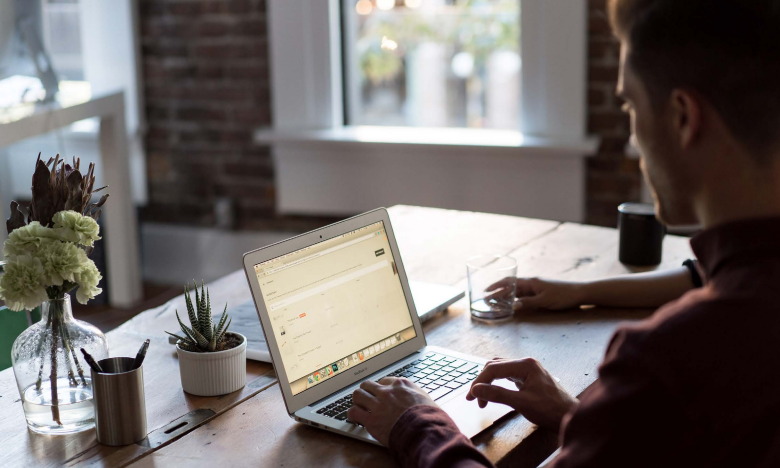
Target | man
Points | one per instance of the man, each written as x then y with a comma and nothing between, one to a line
697,384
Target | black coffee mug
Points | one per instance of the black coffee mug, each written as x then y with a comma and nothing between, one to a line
641,235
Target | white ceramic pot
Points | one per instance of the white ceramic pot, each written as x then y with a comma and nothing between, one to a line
211,374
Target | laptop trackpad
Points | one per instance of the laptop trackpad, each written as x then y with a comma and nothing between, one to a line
470,418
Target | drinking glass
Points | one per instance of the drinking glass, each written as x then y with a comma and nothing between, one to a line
492,286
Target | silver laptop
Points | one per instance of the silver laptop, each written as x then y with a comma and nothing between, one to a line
336,309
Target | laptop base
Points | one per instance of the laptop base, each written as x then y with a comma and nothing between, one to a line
467,415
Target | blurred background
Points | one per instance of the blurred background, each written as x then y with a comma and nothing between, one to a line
248,121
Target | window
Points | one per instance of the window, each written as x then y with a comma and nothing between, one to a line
57,24
432,63
62,37
323,160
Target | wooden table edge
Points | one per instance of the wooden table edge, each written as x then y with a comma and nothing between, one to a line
262,382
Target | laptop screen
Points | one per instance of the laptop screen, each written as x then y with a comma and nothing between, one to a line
334,305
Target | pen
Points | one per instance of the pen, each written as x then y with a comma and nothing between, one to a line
91,361
139,358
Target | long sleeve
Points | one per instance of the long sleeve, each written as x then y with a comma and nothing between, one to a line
625,419
425,437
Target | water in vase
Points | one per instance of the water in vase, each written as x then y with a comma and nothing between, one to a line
75,410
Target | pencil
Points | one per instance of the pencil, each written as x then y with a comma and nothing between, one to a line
91,361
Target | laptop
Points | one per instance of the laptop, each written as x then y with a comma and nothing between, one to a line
336,309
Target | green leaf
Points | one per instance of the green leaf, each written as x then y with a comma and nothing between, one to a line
202,310
190,308
182,339
189,346
213,342
187,331
203,343
176,336
197,302
192,333
222,320
207,326
222,335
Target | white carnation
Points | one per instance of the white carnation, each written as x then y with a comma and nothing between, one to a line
62,261
72,226
87,279
22,285
28,239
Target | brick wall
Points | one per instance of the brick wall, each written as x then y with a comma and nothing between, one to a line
612,178
206,89
206,80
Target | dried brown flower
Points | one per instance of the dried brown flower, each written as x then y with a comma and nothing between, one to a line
61,188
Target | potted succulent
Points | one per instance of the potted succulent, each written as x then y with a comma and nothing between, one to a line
212,360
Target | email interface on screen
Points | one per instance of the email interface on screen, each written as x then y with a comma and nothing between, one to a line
334,305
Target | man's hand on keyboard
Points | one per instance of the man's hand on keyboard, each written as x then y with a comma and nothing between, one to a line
377,406
539,397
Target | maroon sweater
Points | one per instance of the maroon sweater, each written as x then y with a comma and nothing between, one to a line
696,384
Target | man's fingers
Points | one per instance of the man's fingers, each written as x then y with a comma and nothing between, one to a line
358,415
496,394
501,293
364,399
371,387
526,286
531,302
502,284
388,380
495,370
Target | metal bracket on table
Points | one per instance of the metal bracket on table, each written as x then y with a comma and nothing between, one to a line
177,428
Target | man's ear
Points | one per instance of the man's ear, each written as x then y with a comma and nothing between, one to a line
686,117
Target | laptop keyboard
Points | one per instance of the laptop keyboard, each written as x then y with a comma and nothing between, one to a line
437,374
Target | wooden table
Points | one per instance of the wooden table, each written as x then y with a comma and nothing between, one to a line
251,427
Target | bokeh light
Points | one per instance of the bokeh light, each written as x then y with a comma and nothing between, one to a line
385,4
388,44
364,7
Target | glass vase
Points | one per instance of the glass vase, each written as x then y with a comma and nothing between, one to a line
52,376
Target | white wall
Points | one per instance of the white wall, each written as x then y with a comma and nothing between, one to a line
111,57
337,182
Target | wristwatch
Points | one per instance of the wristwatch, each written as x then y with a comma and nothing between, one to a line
695,276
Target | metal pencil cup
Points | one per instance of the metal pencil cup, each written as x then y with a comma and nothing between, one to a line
120,408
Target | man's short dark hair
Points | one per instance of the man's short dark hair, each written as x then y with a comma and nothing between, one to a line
727,51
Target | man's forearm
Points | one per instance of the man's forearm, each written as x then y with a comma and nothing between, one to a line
425,437
651,289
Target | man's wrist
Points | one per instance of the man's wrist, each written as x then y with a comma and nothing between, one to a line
583,293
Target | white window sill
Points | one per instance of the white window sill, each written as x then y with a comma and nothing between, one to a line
505,141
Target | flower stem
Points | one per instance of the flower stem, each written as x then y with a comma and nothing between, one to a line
69,348
55,408
38,353
66,345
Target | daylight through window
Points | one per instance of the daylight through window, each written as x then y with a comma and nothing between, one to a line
432,63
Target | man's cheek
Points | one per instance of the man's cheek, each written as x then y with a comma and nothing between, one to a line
647,177
643,168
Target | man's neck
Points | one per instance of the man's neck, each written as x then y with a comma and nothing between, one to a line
742,195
